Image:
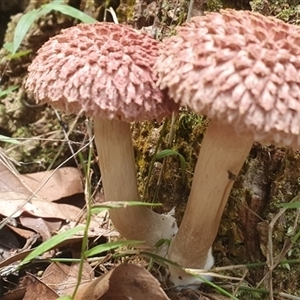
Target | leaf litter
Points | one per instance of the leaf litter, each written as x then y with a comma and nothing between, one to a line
31,214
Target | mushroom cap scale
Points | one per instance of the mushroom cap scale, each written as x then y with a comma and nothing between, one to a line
239,67
101,69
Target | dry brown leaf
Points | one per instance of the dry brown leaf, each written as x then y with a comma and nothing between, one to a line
62,183
63,278
24,233
37,290
16,294
44,227
10,184
13,259
126,281
16,196
39,208
8,243
8,239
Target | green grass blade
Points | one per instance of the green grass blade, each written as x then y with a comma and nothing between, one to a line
22,28
151,167
71,11
170,152
18,54
8,90
28,19
109,246
8,47
51,243
290,205
119,204
6,139
215,286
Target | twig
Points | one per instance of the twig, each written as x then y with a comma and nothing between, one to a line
287,296
195,9
270,258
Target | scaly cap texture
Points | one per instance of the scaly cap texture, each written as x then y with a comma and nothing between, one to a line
102,69
239,67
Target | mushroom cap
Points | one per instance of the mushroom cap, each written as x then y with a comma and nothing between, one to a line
238,67
101,69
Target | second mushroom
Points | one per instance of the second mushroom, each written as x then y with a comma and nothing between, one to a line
242,70
105,70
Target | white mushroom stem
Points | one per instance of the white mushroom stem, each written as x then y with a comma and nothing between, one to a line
117,165
221,157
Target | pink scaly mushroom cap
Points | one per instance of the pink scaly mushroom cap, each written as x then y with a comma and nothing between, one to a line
101,69
238,67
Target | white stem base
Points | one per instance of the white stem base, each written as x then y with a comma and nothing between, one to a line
181,279
117,164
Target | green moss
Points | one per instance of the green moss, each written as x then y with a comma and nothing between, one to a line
125,10
214,5
286,10
187,135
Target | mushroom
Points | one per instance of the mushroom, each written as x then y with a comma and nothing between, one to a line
241,70
105,71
